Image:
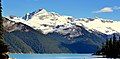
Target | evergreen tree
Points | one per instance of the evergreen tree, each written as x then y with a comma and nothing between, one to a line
3,46
1,21
111,48
0,9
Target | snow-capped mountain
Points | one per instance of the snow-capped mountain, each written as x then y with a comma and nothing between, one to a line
49,22
102,25
74,35
22,38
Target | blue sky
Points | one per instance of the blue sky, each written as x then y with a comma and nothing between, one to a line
78,8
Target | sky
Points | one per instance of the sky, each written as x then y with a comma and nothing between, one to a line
109,9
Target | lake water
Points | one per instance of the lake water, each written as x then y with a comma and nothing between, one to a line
53,56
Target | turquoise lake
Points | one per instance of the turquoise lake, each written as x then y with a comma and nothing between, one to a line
53,56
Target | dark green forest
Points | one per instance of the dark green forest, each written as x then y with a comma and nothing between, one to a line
111,49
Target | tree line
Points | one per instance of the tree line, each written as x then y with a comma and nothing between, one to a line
111,48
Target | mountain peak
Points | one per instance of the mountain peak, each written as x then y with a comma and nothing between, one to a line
41,11
30,15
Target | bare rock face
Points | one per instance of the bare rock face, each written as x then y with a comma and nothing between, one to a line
10,26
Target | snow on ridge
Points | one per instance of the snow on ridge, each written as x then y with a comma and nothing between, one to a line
104,27
48,21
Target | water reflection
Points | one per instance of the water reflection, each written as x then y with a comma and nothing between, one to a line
54,56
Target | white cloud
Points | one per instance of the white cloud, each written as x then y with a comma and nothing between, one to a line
116,8
104,10
107,9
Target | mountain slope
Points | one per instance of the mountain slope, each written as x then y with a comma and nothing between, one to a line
65,34
24,39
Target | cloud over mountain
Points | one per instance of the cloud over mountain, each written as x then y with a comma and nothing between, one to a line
107,9
104,10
